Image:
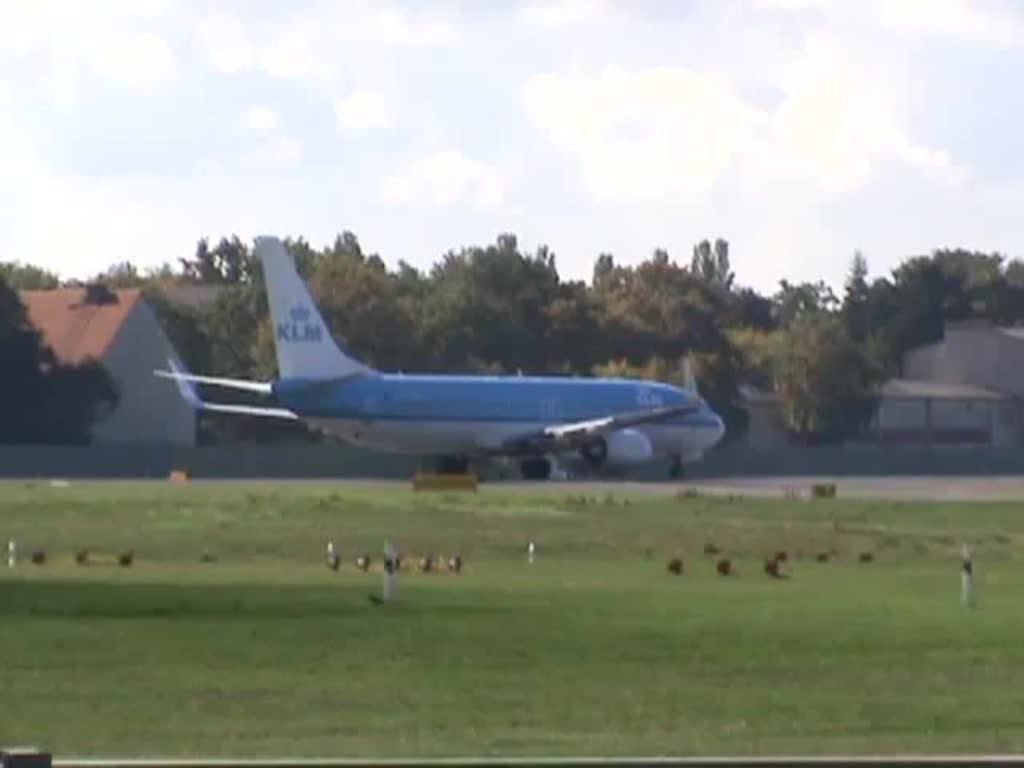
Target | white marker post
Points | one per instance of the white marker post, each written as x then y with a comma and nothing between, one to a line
332,557
530,550
390,571
967,579
12,553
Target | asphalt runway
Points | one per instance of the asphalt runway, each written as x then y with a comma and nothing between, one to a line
925,488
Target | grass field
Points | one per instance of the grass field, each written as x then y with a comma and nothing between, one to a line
594,649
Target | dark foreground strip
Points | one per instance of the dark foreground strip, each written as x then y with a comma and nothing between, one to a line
901,761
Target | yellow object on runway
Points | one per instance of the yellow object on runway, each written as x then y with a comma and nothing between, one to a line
431,482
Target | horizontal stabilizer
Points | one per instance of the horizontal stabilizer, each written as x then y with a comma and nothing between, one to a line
247,410
186,380
246,385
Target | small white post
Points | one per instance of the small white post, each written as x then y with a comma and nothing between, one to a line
333,561
967,579
530,550
12,553
390,571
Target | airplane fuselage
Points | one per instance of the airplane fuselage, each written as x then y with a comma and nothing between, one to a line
605,422
466,415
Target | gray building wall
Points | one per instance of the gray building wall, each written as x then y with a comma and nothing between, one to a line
765,428
151,410
976,354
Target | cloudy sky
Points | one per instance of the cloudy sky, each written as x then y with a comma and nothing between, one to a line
800,130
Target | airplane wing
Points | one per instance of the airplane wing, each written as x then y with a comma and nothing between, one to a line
577,433
185,382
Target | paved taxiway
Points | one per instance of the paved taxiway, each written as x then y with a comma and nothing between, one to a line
928,488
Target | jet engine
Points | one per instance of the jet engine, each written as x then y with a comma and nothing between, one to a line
626,446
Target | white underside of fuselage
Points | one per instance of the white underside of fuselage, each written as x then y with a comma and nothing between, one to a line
460,438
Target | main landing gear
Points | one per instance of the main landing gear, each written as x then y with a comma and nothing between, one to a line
452,465
535,469
676,471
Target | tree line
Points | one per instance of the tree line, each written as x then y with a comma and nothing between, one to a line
499,308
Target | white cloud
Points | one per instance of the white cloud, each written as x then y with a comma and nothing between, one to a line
312,43
562,13
990,23
234,46
394,27
669,134
952,18
280,152
837,123
644,134
142,60
288,57
227,43
363,109
261,120
445,179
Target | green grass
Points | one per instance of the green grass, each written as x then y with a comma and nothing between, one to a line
595,649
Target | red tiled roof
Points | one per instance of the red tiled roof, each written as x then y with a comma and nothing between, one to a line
74,328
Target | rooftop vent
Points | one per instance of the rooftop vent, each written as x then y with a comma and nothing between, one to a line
99,293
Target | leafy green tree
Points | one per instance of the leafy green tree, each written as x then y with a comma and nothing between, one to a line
711,263
491,305
794,301
228,262
856,299
362,304
823,379
41,399
27,277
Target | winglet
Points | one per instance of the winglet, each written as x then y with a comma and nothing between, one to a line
689,382
185,387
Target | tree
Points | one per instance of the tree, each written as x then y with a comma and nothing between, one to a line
711,264
659,310
855,299
26,277
361,302
823,379
491,304
41,399
796,301
749,309
228,262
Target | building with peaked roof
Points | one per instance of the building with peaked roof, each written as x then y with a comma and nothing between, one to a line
908,412
119,329
965,389
975,353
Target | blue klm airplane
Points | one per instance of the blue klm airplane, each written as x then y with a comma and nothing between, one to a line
538,421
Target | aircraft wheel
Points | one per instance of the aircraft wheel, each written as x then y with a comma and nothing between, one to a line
535,469
452,465
677,471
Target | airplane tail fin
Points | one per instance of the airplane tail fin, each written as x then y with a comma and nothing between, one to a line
305,347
